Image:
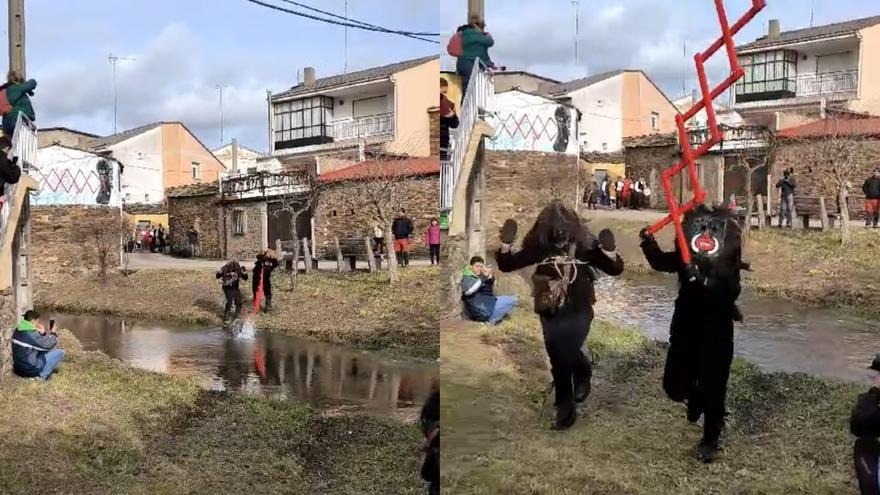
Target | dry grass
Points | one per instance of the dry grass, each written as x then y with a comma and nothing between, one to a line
100,427
787,433
358,309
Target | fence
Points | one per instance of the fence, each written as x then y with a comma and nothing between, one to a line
827,83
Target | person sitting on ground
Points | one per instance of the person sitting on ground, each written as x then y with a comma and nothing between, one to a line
864,423
34,350
229,276
478,294
871,188
266,262
18,92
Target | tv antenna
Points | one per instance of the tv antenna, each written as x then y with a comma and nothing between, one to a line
113,60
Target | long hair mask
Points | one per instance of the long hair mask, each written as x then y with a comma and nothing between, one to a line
714,239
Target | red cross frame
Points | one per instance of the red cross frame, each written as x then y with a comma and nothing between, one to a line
688,154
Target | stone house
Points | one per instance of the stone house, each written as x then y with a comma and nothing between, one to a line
196,206
339,214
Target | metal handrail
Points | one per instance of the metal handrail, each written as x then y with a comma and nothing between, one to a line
477,100
362,127
827,83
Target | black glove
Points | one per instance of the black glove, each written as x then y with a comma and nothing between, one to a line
737,314
645,236
508,231
743,265
606,240
693,273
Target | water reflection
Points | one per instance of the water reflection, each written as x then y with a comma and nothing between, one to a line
321,374
778,335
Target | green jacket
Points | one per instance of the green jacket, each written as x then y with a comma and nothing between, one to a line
17,94
475,44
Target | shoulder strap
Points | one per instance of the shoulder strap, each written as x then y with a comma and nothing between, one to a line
572,250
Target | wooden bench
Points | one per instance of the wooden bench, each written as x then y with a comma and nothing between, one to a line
284,251
354,248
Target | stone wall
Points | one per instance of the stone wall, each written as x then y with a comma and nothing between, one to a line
337,217
434,116
648,162
7,321
519,184
202,212
246,246
57,240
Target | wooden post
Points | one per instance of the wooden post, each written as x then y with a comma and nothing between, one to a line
371,262
761,217
823,213
307,256
340,263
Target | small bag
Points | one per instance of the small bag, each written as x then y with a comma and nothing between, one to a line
5,105
454,47
550,293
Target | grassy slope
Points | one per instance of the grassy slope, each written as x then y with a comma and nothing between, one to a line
811,267
100,427
786,433
358,309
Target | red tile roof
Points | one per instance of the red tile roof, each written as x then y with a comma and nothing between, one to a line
828,127
407,167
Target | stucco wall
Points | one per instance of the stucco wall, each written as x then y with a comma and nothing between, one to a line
869,72
142,157
246,158
179,150
601,108
525,122
48,137
640,98
416,90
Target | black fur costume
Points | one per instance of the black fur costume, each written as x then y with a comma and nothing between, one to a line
701,334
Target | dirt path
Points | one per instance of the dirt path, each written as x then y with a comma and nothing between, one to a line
149,261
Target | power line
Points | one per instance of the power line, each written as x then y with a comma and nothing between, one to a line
354,24
345,18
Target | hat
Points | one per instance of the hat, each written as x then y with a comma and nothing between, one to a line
875,364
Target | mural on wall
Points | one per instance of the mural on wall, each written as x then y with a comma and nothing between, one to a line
526,122
76,179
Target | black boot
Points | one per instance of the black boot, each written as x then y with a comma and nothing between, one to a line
694,411
566,415
582,379
582,390
707,451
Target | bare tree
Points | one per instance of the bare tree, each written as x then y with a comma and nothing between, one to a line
754,148
836,156
302,194
103,237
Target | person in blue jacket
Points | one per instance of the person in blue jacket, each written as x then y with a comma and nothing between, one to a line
34,350
478,294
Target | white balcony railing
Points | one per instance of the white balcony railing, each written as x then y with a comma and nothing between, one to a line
477,99
362,127
827,83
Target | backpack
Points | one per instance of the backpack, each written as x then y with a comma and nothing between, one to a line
454,47
5,105
550,293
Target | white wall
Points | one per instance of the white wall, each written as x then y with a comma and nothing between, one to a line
70,177
246,158
343,111
142,158
829,63
602,111
526,122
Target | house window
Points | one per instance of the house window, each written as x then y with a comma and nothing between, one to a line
302,119
251,170
239,222
127,197
771,74
196,173
655,121
604,146
147,198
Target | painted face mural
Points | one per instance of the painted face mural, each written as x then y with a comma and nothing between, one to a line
563,120
106,177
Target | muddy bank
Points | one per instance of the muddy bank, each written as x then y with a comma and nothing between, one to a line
106,428
356,309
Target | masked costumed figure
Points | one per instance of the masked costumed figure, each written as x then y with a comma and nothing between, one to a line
701,334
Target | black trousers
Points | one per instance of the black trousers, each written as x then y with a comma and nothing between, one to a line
233,297
564,335
267,292
434,252
698,365
865,454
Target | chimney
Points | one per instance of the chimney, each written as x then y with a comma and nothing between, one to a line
773,28
234,155
309,76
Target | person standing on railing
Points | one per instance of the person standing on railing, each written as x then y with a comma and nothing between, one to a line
18,93
475,44
448,119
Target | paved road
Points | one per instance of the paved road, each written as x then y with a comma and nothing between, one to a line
148,261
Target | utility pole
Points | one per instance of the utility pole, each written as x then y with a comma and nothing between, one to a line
477,8
577,28
21,260
220,87
812,11
113,59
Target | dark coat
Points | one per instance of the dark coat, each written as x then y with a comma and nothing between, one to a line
581,294
788,185
871,188
10,172
266,265
231,274
864,422
402,228
478,295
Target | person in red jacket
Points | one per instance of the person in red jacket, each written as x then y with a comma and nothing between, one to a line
626,192
432,240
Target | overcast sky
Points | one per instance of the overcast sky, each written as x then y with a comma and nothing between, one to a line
539,36
184,48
